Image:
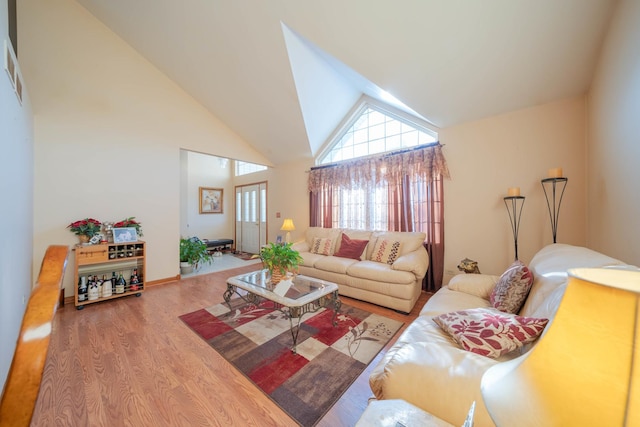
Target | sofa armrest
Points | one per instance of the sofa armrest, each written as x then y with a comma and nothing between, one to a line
480,285
301,246
415,262
439,379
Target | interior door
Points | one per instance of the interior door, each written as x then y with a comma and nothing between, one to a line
251,217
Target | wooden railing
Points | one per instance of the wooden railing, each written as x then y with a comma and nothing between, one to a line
23,381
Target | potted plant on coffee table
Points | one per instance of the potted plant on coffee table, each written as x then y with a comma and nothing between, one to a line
193,253
279,258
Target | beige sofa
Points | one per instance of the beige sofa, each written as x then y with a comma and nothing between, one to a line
428,369
396,285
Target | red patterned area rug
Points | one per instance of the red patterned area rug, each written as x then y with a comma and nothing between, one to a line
257,341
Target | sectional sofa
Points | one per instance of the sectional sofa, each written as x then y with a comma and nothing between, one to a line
428,366
381,267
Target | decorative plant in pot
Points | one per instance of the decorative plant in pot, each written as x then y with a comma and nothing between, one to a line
279,258
193,253
85,229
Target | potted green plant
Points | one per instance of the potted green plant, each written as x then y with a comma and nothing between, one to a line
279,258
193,253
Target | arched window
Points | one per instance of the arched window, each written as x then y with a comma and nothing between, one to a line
383,172
374,129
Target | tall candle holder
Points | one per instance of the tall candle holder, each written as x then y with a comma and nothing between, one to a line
514,208
554,203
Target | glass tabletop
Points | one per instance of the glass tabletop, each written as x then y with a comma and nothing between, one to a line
299,288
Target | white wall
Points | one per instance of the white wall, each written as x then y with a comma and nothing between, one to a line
614,140
109,128
16,208
204,170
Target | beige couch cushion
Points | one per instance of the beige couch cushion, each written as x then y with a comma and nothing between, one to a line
549,267
379,272
334,264
480,285
409,241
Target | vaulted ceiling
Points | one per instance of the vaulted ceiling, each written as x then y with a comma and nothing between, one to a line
283,73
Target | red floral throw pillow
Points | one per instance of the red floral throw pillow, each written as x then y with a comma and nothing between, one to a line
512,288
490,332
351,248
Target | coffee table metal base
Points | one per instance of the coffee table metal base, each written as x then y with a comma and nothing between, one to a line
296,312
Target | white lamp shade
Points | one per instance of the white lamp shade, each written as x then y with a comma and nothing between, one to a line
585,371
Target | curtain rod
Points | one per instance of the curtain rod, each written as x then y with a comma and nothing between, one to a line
392,153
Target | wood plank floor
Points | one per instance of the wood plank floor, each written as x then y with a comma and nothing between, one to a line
132,362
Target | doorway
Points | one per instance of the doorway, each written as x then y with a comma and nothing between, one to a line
251,217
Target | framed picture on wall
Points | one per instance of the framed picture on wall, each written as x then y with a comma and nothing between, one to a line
210,200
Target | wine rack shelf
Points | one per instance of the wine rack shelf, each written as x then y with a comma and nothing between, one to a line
105,259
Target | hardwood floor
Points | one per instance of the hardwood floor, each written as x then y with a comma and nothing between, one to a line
132,362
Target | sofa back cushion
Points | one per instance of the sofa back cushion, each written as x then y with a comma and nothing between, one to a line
549,267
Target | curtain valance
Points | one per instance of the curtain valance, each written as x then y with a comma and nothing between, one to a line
428,162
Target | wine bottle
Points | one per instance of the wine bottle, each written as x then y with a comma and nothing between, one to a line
120,284
94,292
134,281
82,288
107,289
114,279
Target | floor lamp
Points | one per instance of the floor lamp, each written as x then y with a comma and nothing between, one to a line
288,226
553,201
514,208
585,370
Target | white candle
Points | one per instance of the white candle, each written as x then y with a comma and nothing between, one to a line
555,173
513,191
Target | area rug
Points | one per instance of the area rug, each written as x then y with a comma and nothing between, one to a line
257,341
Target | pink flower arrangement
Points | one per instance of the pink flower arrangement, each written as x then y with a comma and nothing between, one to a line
88,226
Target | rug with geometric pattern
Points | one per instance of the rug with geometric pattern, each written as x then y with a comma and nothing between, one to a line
257,341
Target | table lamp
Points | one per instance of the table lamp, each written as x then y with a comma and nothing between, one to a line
585,370
288,226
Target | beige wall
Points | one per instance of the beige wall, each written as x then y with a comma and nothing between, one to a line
517,149
109,128
485,158
614,141
203,170
108,132
287,194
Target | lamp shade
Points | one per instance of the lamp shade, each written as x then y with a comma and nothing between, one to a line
287,225
585,370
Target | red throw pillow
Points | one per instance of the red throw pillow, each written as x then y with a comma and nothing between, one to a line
351,248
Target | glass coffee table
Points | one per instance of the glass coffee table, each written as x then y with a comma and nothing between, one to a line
294,296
